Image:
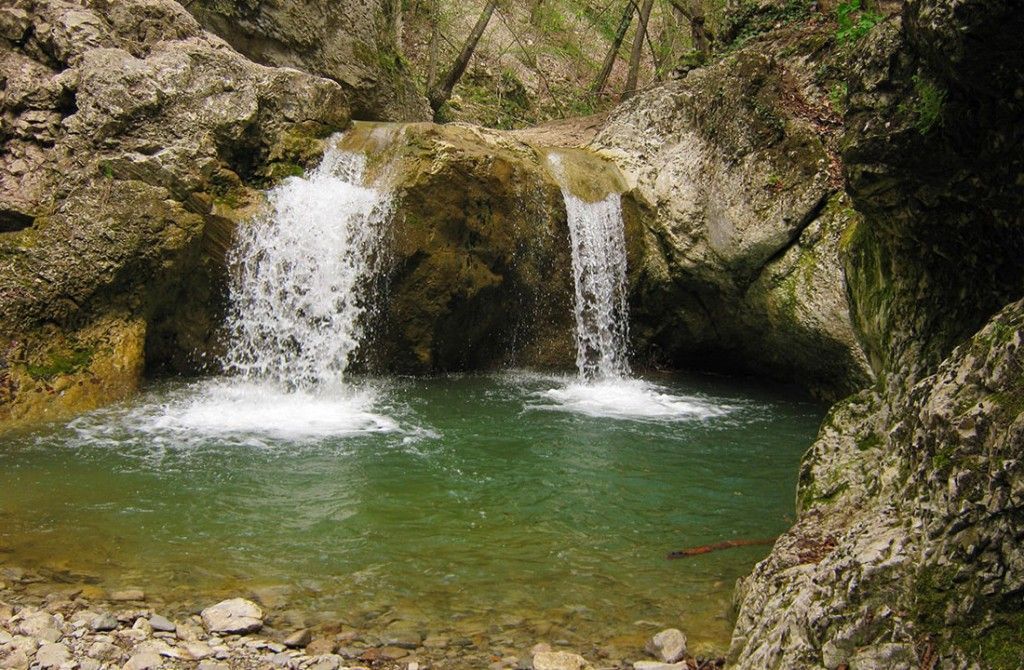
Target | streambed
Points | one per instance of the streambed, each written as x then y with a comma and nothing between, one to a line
521,506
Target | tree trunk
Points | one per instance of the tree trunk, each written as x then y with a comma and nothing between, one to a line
638,49
440,94
701,37
613,51
698,28
435,39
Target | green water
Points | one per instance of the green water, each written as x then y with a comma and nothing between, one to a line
472,505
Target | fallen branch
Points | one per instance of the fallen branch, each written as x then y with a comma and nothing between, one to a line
728,544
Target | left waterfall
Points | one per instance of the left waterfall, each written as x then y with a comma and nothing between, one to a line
299,294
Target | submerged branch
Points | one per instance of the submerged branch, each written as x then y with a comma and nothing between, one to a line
728,544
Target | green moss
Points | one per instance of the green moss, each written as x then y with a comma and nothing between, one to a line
869,441
943,458
854,20
751,19
61,363
837,96
990,634
925,108
282,169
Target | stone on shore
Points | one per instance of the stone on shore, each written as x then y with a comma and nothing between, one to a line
658,665
41,626
236,615
52,655
669,645
13,659
161,624
147,660
559,660
299,638
104,622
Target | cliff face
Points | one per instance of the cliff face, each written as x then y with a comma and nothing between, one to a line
130,137
736,167
906,551
355,43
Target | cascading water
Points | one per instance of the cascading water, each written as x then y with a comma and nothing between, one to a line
604,387
298,301
299,296
596,233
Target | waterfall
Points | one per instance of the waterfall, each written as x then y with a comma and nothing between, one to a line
597,235
299,294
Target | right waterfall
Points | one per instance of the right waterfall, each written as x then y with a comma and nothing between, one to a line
596,232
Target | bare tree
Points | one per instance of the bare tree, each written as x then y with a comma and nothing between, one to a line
435,42
700,36
613,50
440,94
638,49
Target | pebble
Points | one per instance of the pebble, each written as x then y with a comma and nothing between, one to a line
299,638
658,665
41,626
145,661
669,645
326,662
210,665
13,659
104,622
320,646
103,651
143,626
198,650
162,624
559,660
52,655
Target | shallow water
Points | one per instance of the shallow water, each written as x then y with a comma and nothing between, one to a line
517,504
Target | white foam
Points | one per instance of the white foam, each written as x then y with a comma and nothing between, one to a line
230,410
237,407
628,399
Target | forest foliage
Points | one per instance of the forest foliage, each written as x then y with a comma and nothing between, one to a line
537,60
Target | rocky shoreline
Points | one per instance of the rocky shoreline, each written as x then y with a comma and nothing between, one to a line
72,628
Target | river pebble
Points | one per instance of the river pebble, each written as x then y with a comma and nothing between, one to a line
669,645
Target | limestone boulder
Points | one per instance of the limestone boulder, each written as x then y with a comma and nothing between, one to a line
130,136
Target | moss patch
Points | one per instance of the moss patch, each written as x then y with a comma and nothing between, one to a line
61,363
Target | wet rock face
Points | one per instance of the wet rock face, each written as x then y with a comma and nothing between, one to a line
933,164
910,522
906,552
129,134
479,265
354,43
744,220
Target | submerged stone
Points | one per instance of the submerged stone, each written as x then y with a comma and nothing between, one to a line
559,660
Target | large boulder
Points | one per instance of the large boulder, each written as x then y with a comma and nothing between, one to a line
130,137
355,43
737,170
909,526
479,259
906,549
